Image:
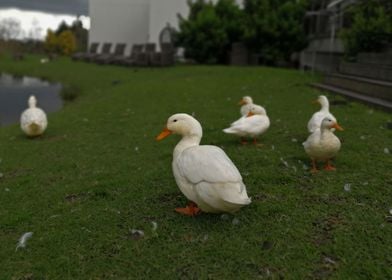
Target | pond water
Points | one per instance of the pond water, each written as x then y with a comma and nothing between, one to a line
15,91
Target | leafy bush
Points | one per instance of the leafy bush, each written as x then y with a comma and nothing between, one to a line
64,43
69,92
210,29
271,28
274,28
51,42
371,30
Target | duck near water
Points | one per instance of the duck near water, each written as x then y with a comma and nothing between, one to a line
204,173
322,144
33,121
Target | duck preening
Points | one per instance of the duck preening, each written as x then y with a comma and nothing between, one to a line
254,124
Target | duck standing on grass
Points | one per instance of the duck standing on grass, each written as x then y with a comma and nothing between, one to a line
255,123
246,102
204,174
323,145
315,122
33,120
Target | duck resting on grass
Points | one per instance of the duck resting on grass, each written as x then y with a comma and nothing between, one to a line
323,145
204,174
246,102
315,122
255,123
33,121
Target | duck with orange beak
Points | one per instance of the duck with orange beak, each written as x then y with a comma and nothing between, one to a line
204,173
315,121
323,145
253,125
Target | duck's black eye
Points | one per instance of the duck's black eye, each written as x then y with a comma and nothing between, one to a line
175,121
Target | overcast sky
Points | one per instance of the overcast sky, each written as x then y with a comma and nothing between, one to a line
36,16
71,7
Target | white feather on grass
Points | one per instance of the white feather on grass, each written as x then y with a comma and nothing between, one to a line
23,240
154,226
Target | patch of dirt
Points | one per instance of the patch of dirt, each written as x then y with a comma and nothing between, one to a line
324,229
28,276
326,267
267,245
73,197
259,197
18,172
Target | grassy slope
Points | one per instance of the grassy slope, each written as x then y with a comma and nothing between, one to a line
98,173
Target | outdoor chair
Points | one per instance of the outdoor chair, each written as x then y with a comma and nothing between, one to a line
132,58
80,55
144,58
105,50
165,57
108,58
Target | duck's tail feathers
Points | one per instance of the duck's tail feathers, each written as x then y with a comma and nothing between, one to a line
228,130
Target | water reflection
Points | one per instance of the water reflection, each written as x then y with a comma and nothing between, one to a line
15,90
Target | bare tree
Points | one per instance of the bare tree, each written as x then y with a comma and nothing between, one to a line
10,28
36,30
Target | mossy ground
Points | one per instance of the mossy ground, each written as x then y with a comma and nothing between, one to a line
98,173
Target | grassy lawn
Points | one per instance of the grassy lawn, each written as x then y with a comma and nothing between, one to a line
98,173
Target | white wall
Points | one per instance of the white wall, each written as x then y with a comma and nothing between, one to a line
163,12
133,21
119,21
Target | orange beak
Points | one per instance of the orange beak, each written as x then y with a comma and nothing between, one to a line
338,127
242,102
165,132
250,114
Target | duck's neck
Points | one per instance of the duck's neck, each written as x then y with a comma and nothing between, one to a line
185,143
325,132
325,106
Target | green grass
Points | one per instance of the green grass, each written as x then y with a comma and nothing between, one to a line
98,173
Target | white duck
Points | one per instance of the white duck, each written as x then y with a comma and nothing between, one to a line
33,120
315,122
323,145
204,174
254,124
246,102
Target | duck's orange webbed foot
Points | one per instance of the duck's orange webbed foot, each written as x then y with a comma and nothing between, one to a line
190,210
243,141
256,143
329,167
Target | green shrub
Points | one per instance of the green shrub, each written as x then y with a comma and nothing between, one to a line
371,29
271,28
274,28
209,30
69,92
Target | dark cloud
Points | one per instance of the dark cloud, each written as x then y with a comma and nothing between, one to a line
72,7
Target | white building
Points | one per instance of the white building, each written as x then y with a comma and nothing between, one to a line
133,21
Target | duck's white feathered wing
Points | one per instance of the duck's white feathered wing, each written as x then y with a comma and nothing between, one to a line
254,125
207,163
216,179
